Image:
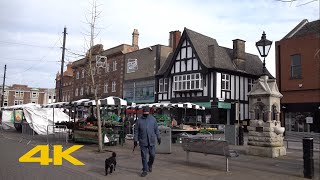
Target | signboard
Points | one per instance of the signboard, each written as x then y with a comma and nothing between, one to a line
224,105
309,120
132,65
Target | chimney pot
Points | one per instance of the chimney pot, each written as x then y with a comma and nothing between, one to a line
239,53
174,38
135,38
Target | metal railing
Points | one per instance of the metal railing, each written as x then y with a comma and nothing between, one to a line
27,132
57,134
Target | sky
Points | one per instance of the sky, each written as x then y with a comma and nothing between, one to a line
31,30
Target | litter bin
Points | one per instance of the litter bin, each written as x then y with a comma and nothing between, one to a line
165,135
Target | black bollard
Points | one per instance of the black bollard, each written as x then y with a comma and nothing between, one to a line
308,162
241,141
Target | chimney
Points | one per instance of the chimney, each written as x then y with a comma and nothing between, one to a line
135,38
239,53
174,38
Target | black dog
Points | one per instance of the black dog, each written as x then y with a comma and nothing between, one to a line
110,163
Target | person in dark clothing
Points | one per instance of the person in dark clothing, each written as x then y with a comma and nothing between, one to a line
145,132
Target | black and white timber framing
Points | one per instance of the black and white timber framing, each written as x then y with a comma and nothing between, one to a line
201,71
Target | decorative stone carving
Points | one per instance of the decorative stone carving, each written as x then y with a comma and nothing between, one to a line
265,131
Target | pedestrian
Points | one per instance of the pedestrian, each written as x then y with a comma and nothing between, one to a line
145,132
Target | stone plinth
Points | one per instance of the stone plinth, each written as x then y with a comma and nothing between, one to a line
264,139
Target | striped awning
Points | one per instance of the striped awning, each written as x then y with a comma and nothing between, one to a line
168,105
78,102
56,105
109,101
113,101
189,106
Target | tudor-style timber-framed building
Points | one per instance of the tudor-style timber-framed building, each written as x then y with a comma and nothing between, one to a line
202,72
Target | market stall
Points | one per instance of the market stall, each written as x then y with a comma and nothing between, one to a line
86,130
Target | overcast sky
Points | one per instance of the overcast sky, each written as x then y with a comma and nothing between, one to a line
31,30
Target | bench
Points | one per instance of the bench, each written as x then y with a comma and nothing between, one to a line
208,146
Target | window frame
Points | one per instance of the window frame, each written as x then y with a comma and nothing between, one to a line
114,65
105,90
77,75
114,86
185,81
293,69
226,82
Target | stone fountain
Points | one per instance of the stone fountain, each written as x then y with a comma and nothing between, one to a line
265,131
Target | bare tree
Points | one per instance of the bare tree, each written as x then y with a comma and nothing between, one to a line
91,21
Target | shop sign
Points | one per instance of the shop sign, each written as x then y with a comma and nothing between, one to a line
309,120
224,105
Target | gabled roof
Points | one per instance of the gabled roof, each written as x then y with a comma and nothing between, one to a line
214,56
304,28
200,43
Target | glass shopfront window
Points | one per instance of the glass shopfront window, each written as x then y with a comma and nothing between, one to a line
299,121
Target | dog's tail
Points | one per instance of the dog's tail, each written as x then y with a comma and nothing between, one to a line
114,154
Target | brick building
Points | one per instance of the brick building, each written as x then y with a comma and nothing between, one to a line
298,77
22,94
140,69
109,80
67,90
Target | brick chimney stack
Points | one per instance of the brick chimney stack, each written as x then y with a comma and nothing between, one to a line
239,53
135,38
174,38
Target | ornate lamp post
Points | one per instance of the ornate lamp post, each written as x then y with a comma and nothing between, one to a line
263,47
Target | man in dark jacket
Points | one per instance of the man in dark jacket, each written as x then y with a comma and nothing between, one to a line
146,131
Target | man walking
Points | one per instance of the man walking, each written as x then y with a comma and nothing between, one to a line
146,131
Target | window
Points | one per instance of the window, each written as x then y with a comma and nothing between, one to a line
250,84
160,85
18,102
108,68
165,85
77,75
113,86
296,66
34,102
19,94
5,93
49,97
34,95
105,87
76,92
5,103
81,91
88,90
82,74
114,65
187,82
225,82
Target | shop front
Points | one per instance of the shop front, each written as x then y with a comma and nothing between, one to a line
302,117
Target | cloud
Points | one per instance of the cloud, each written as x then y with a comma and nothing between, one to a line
41,23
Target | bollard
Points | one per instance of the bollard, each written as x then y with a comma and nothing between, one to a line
241,141
308,162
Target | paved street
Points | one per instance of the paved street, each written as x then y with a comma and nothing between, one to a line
167,166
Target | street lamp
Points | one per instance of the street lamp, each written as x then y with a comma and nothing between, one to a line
263,47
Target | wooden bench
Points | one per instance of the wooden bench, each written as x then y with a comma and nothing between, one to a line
206,146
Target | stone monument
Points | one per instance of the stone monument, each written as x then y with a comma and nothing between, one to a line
265,131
